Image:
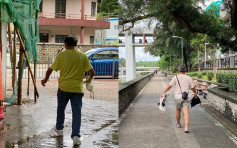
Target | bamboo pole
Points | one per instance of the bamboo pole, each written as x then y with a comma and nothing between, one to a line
28,84
27,60
19,94
35,95
14,60
10,50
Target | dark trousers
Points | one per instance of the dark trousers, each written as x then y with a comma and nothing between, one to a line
76,104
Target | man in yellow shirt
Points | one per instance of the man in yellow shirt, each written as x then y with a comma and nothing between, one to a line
72,64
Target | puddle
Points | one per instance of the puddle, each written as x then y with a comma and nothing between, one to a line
29,125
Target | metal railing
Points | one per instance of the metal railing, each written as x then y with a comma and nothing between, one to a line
227,62
103,67
76,16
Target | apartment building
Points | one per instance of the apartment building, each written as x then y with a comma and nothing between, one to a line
59,18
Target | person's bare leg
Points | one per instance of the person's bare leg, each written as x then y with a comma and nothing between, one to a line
186,117
178,116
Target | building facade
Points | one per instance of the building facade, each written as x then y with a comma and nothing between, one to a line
59,18
108,36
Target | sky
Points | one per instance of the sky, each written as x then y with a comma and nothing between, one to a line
140,54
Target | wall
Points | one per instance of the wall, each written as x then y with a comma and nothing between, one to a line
88,7
49,51
224,102
73,7
48,6
129,90
57,30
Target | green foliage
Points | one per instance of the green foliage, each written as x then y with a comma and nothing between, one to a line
122,62
233,85
203,73
163,62
199,75
147,64
225,77
192,74
210,76
184,17
109,6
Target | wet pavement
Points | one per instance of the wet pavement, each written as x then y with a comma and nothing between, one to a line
143,125
30,124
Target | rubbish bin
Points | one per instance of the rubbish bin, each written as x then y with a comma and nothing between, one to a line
165,74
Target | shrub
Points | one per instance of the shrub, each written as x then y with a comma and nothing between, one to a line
199,75
204,73
227,77
233,85
219,77
192,74
210,75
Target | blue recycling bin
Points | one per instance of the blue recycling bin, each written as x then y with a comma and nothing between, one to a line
165,74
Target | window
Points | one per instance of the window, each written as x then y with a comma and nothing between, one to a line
93,8
40,6
60,8
92,38
60,38
44,37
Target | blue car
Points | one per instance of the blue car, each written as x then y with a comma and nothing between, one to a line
104,60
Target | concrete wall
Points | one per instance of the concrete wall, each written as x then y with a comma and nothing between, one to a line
48,7
129,90
224,102
57,30
47,52
73,7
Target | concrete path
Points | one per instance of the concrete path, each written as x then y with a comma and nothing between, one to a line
145,127
29,125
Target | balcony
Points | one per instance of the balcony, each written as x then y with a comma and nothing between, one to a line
73,20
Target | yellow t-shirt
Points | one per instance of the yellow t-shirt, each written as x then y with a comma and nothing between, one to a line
72,65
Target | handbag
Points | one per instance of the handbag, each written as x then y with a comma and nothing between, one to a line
184,94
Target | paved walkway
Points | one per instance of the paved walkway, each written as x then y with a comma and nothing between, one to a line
145,126
29,125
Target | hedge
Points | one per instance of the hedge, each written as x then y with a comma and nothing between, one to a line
210,76
233,85
225,77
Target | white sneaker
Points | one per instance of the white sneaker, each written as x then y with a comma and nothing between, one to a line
76,141
56,133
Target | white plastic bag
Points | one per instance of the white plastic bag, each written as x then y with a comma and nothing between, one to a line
162,105
89,86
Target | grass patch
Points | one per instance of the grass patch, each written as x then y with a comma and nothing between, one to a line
205,78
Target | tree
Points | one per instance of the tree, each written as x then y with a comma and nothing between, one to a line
186,13
122,62
198,44
109,6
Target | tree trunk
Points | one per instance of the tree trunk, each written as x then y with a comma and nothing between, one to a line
185,58
199,67
214,66
234,14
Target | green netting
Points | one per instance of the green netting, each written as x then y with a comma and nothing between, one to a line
24,14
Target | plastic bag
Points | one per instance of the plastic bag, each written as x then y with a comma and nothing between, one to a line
161,104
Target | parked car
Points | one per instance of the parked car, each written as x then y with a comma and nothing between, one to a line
104,60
